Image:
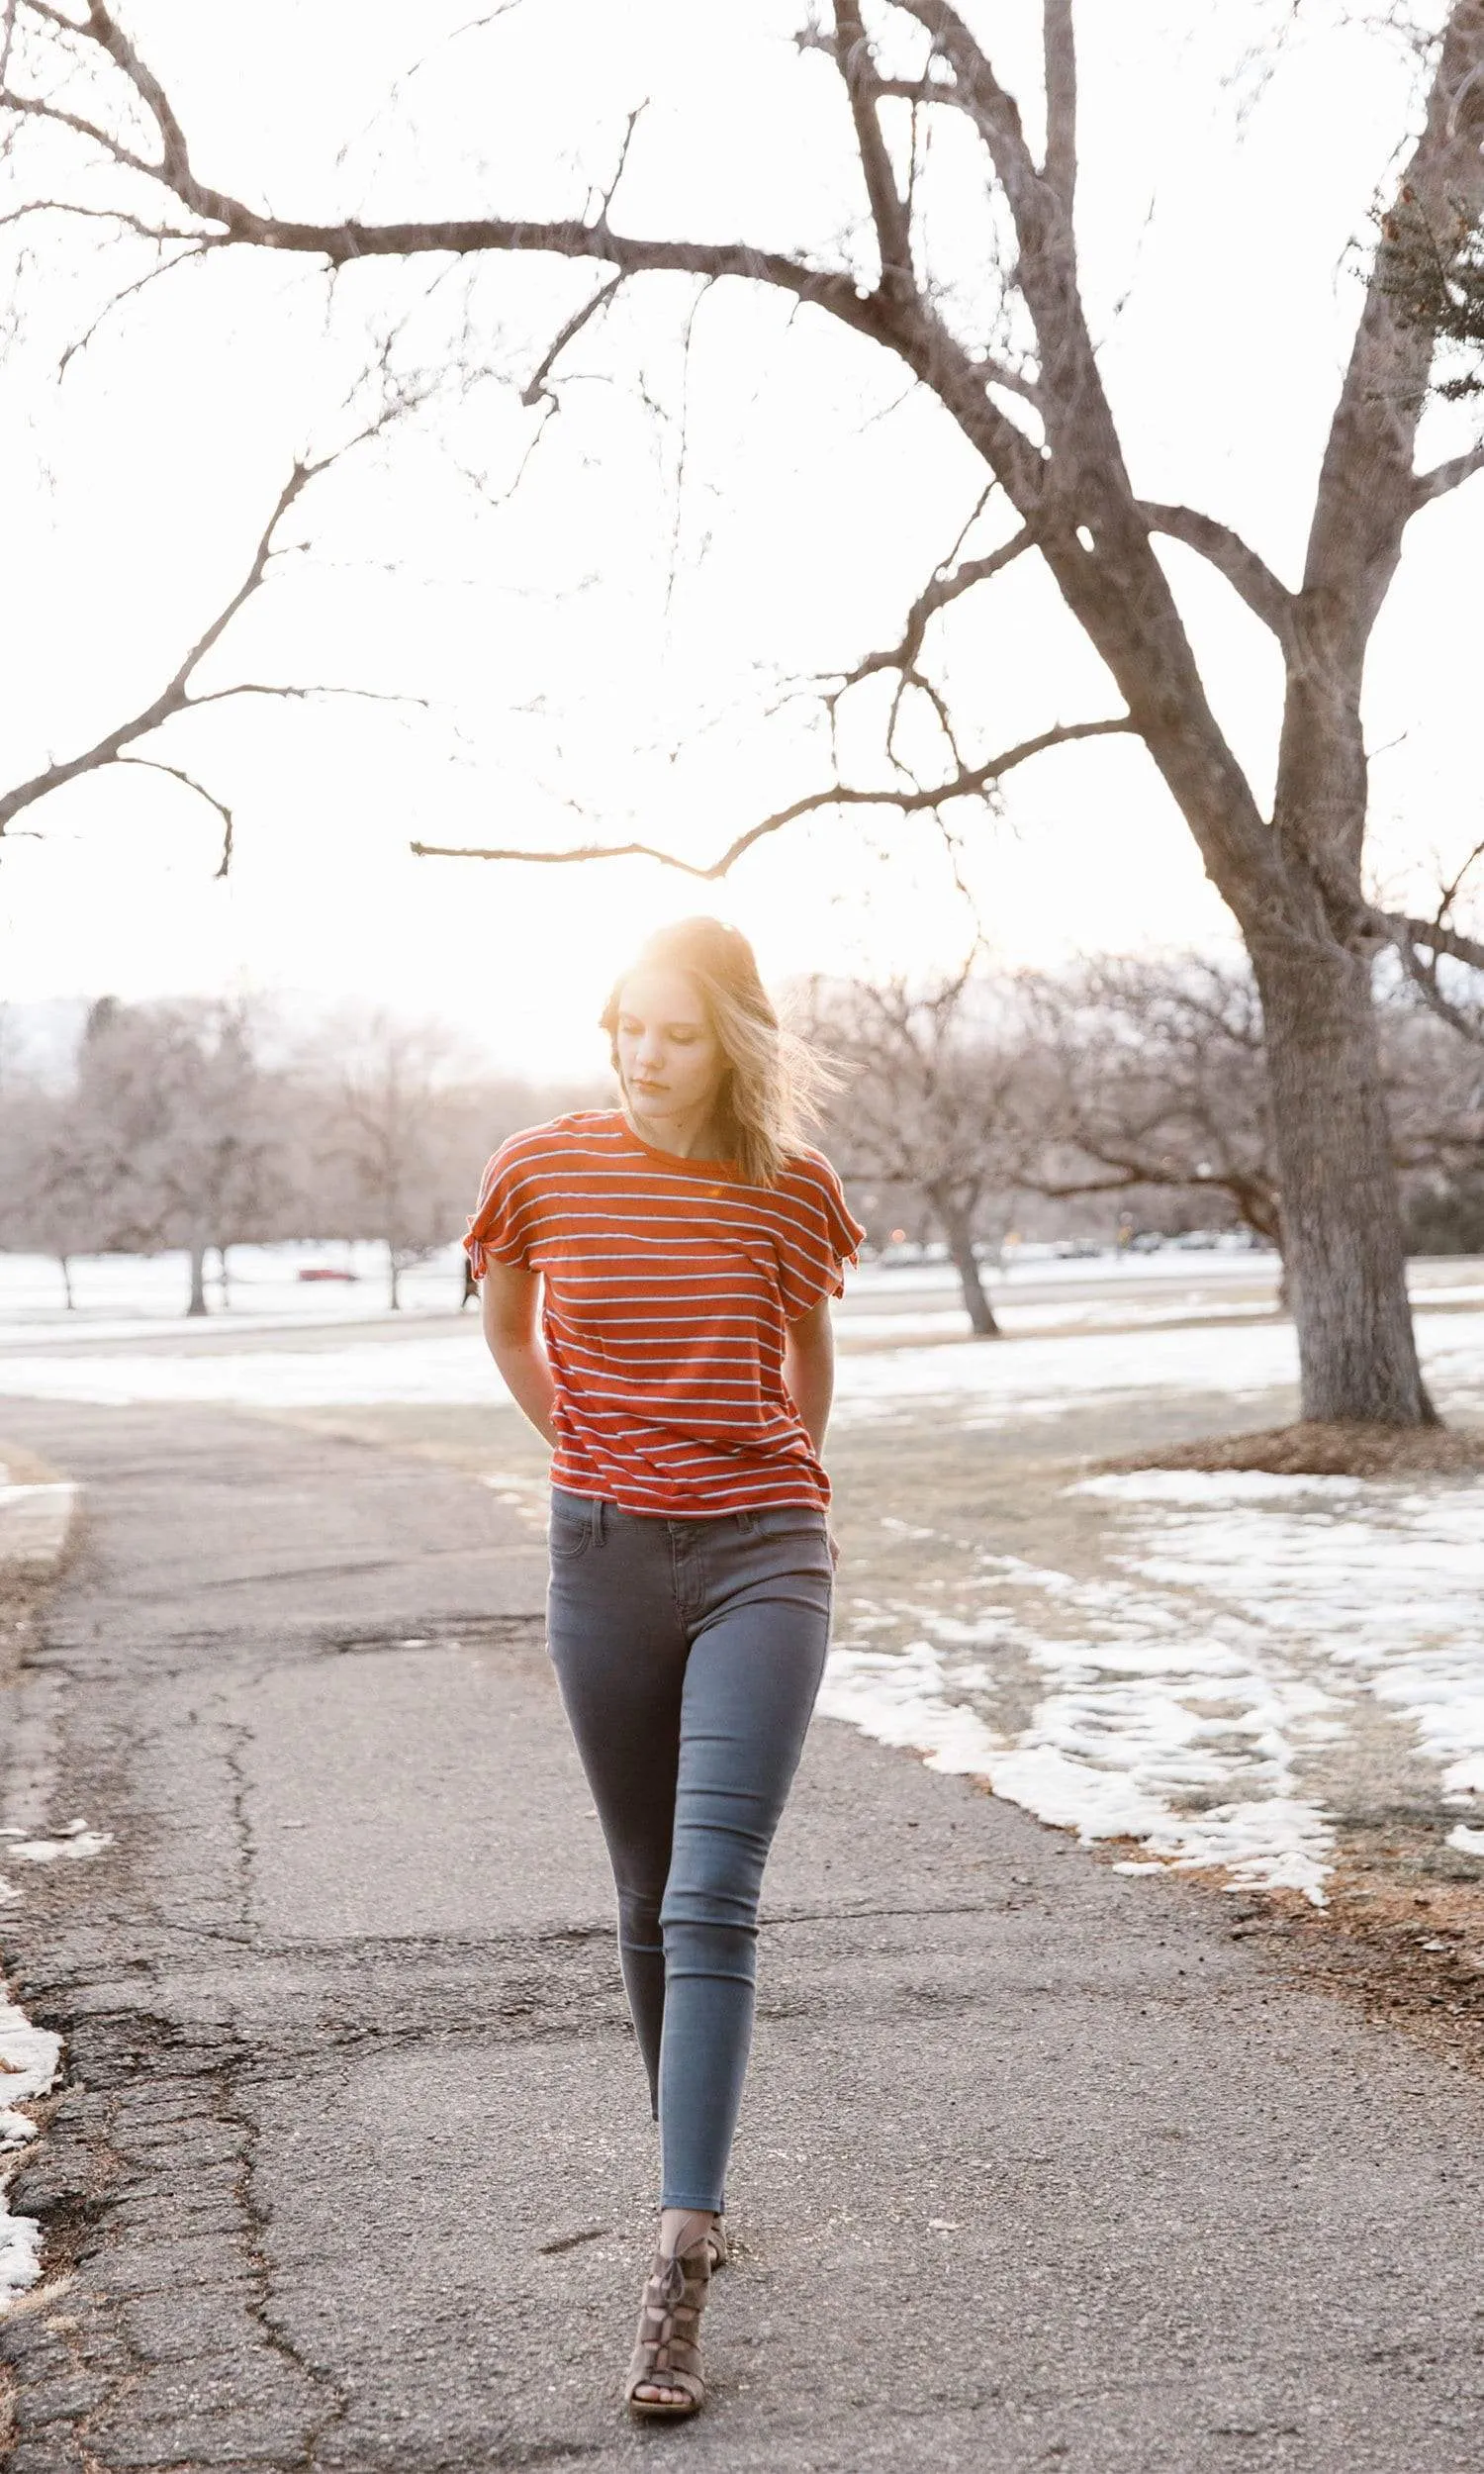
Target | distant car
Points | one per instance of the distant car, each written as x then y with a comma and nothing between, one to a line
324,1271
1147,1241
1077,1250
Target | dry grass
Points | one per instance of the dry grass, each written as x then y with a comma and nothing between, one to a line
1400,1938
1409,1958
1312,1449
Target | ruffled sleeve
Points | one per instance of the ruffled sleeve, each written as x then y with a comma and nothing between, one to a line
824,1240
499,1231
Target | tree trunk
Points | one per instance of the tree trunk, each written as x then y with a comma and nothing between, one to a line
959,1232
394,1277
222,1268
198,1303
1342,1250
66,1271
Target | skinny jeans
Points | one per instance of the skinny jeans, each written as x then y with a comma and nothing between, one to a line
689,1654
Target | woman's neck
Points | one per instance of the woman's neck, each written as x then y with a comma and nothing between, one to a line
690,1134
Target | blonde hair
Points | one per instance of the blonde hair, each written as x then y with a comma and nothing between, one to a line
775,1081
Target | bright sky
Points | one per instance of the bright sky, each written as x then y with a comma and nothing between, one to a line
601,651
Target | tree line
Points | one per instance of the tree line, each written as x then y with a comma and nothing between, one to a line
1133,1094
1119,1096
200,1125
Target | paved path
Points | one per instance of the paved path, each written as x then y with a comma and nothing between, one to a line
1039,2168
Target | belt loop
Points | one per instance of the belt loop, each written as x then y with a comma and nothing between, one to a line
747,1523
601,1513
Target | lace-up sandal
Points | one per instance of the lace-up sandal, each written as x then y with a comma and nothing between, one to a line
667,2349
718,2245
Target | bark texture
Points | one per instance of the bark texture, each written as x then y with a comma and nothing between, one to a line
1342,1249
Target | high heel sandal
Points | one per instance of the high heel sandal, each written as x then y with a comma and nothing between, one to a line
667,2349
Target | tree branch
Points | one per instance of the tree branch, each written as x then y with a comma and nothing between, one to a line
155,764
339,244
1429,932
175,696
944,589
1245,571
535,391
888,214
1059,48
1422,944
972,784
1445,477
180,694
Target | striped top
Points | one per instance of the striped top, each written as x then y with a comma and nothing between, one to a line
667,1286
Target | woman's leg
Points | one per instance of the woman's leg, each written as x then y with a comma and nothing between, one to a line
619,1649
759,1593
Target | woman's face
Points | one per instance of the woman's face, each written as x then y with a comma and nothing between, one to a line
670,1059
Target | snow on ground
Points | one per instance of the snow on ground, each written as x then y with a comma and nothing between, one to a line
1028,1378
1050,1376
34,1519
29,2058
1186,1698
1183,1698
115,1292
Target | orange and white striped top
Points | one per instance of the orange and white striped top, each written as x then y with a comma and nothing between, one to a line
667,1286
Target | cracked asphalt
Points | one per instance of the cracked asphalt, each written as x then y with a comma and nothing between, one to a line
351,2164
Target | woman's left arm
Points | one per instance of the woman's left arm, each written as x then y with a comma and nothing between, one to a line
809,1368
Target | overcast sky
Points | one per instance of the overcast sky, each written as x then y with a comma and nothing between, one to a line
603,649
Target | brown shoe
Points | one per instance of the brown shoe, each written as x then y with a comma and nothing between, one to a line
667,2349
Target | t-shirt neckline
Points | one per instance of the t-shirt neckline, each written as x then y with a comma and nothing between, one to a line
684,1163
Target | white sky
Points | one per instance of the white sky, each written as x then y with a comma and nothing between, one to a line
1220,208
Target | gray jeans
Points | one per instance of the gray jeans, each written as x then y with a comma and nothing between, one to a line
689,1654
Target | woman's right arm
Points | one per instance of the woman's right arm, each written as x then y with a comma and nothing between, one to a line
508,1311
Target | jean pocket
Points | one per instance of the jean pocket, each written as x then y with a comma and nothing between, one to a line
569,1532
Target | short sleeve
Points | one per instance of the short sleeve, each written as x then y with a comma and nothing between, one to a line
499,1231
825,1237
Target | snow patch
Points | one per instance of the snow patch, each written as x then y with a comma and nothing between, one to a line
1182,1696
77,1839
28,2059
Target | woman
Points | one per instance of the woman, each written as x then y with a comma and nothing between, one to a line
687,1245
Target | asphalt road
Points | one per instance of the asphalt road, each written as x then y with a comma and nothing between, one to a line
351,2170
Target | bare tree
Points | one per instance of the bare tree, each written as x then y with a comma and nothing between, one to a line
1034,407
927,1106
41,1212
1153,1078
397,1127
167,1139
